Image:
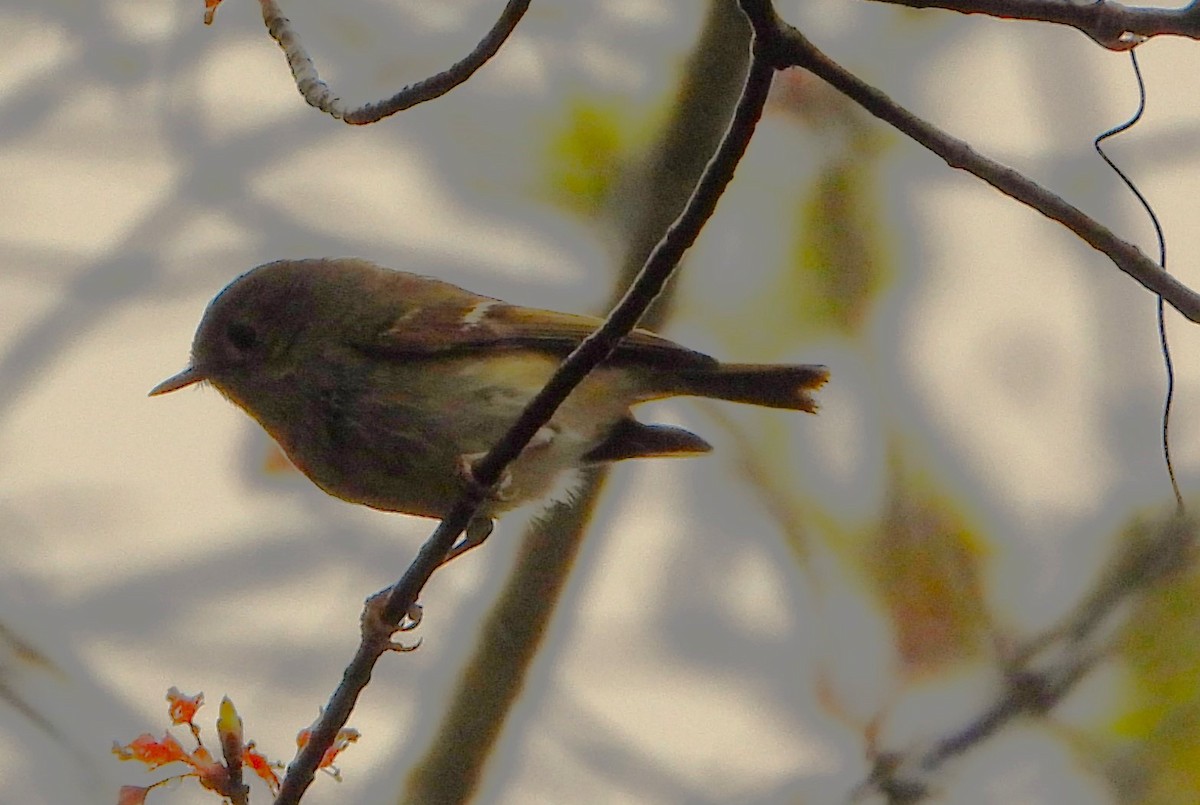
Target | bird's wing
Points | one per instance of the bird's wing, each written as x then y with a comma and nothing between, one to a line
479,322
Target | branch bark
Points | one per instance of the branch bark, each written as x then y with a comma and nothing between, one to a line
321,96
1112,25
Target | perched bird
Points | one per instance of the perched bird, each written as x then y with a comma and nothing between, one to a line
383,386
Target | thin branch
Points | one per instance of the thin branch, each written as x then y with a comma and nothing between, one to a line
798,51
381,616
320,95
1112,25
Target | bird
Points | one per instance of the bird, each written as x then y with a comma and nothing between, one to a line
383,386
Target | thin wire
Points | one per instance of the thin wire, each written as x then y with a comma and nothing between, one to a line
1163,343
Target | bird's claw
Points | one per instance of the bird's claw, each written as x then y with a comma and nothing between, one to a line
376,622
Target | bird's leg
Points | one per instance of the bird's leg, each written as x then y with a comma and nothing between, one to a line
466,471
502,489
480,528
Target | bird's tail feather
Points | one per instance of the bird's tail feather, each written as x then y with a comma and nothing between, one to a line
769,385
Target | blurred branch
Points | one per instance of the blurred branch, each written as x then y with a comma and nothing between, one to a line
384,612
796,50
320,95
494,676
1112,25
1047,668
509,638
18,654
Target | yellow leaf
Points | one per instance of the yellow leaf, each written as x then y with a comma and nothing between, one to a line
926,565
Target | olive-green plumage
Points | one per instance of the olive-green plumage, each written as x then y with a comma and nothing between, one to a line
381,386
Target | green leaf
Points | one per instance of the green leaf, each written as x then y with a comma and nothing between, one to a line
584,158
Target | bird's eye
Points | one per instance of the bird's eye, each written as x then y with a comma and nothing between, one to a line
242,336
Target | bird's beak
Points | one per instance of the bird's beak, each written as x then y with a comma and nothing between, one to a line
187,377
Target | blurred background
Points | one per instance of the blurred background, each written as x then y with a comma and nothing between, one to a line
751,626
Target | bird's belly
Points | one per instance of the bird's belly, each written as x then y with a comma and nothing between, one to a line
403,445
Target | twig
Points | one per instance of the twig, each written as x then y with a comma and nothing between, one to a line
379,625
798,51
1112,25
229,726
320,95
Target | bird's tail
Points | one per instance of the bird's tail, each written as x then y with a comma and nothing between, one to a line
770,385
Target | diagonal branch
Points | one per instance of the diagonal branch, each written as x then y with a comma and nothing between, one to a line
798,51
320,95
382,615
1112,25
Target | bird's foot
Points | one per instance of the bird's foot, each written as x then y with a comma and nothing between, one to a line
376,622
